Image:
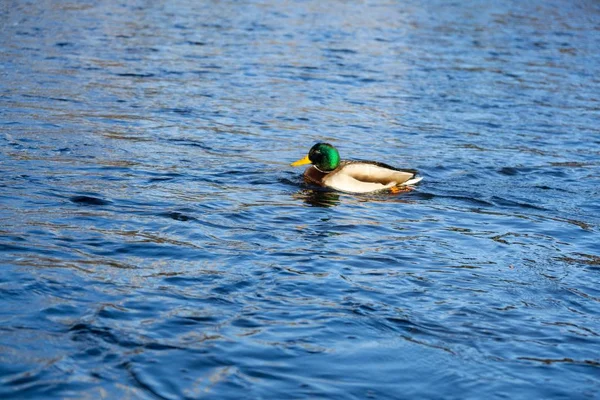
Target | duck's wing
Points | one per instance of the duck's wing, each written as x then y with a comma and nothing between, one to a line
382,165
367,176
412,180
373,171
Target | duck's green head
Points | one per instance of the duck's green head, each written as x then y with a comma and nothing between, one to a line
323,156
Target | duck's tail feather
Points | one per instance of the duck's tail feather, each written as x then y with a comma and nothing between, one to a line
412,181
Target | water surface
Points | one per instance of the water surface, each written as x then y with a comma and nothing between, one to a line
155,242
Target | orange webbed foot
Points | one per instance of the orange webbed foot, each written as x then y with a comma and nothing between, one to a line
400,189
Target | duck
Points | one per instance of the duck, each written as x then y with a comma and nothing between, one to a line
329,170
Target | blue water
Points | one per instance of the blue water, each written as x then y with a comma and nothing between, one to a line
155,243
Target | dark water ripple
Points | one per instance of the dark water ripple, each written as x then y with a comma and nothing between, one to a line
155,243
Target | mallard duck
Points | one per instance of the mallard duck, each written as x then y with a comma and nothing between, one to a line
352,176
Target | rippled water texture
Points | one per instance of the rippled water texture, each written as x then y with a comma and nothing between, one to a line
155,242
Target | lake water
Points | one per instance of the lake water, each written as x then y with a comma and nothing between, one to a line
156,244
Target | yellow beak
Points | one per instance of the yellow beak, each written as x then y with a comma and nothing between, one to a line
302,161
